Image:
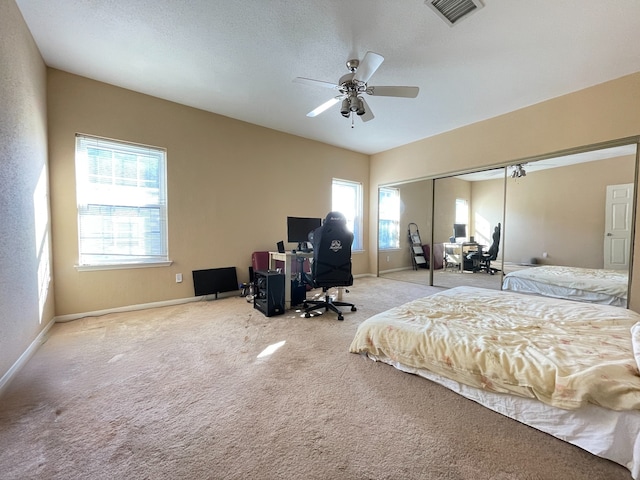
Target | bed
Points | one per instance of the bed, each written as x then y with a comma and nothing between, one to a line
607,287
569,369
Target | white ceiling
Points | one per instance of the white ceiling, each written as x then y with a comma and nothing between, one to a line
238,58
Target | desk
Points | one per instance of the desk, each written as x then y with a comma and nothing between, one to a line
288,258
455,253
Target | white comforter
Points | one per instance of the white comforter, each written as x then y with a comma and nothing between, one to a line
563,353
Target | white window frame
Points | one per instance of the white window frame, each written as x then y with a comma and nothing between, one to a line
346,198
122,204
389,210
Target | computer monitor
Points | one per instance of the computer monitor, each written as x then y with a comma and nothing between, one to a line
298,228
214,281
460,230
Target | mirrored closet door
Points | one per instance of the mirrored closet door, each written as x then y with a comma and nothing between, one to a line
404,231
572,215
564,211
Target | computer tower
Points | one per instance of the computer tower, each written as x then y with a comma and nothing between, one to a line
298,292
269,292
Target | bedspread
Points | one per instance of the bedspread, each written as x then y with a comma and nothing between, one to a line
563,353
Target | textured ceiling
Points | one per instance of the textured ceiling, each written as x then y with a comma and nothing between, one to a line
238,58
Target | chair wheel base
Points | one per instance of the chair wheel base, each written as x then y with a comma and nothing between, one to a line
328,304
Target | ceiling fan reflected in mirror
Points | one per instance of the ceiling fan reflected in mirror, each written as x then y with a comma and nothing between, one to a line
353,85
518,171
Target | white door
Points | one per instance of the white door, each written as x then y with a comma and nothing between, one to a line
617,234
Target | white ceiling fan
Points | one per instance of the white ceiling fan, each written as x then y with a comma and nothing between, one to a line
352,85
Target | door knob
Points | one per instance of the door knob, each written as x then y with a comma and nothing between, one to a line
609,234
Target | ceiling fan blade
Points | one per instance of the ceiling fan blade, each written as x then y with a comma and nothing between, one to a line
368,114
328,104
407,92
368,66
316,83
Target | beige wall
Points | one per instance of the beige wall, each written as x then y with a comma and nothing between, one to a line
231,186
562,212
26,293
487,200
447,190
601,113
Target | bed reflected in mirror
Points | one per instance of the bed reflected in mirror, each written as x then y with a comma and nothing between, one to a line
568,226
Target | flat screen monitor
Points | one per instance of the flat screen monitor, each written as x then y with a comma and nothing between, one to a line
298,228
460,230
214,281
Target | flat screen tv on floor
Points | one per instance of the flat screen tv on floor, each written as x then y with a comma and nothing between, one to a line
213,281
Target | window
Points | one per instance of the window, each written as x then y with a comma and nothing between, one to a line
462,211
347,199
389,220
122,203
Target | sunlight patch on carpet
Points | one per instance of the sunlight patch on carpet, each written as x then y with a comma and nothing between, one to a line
270,349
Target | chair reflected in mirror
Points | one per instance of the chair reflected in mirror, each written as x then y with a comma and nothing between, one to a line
482,260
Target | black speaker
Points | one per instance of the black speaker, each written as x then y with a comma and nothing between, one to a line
269,292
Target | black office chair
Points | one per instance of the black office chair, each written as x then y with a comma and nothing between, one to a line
331,265
482,260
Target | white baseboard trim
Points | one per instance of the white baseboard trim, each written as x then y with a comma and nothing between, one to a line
142,306
165,303
24,358
362,275
391,270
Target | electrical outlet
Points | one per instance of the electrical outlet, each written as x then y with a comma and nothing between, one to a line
545,254
178,278
388,258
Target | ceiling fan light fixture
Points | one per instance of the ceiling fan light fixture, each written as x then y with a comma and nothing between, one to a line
353,103
360,110
345,109
354,84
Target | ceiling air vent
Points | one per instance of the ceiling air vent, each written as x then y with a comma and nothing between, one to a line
452,11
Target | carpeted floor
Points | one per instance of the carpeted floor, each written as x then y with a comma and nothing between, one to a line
188,392
450,278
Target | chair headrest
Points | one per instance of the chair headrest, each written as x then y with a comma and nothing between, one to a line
335,217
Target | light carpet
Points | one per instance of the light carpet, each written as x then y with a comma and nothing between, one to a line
183,392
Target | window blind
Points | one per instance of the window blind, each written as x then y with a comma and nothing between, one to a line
122,202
